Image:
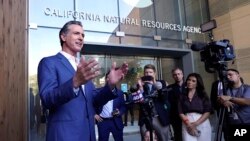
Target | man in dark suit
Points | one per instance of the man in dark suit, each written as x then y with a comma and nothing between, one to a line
129,108
109,117
176,89
154,112
66,89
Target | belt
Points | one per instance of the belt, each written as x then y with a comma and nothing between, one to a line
107,118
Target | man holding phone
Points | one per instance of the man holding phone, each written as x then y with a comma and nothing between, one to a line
153,114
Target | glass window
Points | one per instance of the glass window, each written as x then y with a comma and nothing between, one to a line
101,38
52,13
42,42
167,65
136,18
99,81
136,65
171,43
140,41
169,19
196,14
99,15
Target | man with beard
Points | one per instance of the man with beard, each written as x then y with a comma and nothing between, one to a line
237,99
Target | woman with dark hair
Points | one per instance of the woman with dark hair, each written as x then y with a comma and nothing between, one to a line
194,108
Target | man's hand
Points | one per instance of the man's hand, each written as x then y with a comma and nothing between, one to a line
116,112
225,97
86,70
117,74
98,118
224,100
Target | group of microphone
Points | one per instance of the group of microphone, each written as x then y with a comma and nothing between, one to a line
149,91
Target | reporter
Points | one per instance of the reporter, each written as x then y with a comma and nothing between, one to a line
156,116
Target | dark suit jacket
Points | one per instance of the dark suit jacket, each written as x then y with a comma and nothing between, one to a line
71,116
161,106
118,103
174,94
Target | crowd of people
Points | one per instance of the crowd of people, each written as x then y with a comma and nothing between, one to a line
75,105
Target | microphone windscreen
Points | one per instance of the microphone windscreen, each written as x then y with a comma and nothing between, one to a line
158,85
198,46
134,88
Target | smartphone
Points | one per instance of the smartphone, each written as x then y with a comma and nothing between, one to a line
147,78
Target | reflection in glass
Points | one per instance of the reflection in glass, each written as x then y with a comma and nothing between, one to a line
136,65
103,15
140,41
97,37
42,42
171,44
50,13
134,20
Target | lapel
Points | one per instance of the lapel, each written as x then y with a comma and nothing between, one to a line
65,63
86,92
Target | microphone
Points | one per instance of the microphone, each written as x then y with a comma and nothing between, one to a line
198,46
137,96
157,90
158,85
134,88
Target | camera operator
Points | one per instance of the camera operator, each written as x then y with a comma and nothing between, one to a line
237,101
154,107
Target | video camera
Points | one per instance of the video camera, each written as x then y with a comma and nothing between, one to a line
215,53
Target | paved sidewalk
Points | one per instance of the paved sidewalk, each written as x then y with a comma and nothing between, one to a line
128,130
131,129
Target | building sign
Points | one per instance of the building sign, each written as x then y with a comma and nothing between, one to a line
79,15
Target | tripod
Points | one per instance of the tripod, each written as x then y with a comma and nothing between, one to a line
222,111
148,119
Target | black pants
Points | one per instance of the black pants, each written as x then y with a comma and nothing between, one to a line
130,110
177,127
